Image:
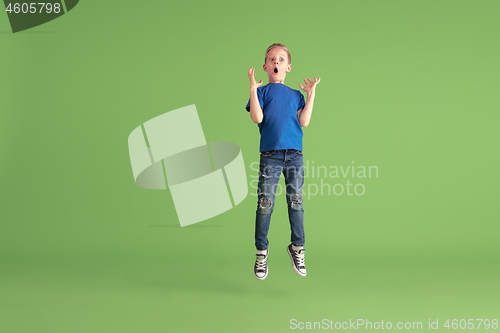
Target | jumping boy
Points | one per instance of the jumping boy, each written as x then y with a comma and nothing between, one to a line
280,113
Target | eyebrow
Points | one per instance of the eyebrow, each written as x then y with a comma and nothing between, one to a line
280,55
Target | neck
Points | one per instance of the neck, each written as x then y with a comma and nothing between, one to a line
277,81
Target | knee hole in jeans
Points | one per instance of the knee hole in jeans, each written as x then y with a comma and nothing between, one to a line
265,205
296,201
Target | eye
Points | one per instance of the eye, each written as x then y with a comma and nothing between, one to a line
281,59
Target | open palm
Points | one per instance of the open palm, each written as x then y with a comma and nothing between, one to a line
310,85
251,75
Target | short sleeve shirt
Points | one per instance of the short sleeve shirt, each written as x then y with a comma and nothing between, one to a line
280,128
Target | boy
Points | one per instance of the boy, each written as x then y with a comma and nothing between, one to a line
280,113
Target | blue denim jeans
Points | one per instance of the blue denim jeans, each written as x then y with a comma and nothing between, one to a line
272,164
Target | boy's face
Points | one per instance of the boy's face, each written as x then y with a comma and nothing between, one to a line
277,65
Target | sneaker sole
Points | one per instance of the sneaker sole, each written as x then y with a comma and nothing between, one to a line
293,265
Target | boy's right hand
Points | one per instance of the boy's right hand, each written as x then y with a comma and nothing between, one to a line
251,75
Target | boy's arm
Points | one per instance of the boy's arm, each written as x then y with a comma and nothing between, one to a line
255,109
304,114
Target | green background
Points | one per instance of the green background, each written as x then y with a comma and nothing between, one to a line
408,86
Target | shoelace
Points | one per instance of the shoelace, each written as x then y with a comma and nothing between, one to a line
299,259
261,263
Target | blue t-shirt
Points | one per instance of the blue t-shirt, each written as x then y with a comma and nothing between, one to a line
280,128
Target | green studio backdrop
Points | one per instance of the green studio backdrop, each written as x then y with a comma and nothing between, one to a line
408,88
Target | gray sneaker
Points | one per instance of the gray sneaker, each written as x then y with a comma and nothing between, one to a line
298,260
260,267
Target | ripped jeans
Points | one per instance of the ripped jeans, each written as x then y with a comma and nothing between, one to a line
272,164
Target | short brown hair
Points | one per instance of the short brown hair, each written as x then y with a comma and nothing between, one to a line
278,45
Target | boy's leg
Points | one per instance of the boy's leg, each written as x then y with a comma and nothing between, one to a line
294,180
271,166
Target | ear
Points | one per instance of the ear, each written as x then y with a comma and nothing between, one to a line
265,68
288,68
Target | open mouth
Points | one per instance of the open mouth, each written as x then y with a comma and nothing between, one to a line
275,70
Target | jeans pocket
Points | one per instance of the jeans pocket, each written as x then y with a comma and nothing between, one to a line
267,153
299,152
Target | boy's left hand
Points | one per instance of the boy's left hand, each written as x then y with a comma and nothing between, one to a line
310,86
